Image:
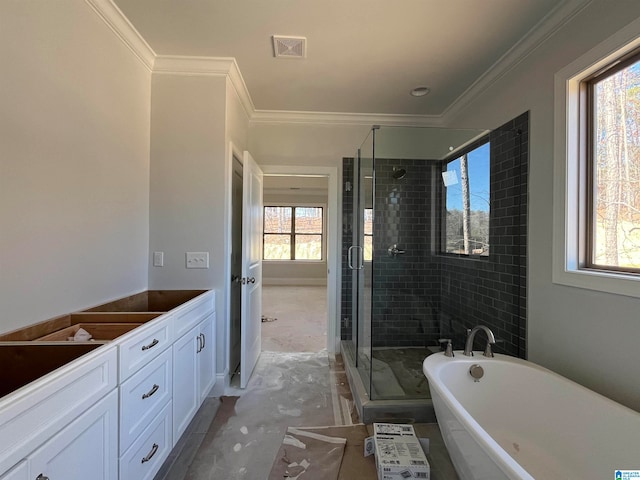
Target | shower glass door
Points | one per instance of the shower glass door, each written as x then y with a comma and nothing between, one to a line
361,257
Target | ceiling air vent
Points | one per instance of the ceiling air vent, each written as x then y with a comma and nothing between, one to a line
289,47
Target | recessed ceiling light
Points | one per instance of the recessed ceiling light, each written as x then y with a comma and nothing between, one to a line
420,91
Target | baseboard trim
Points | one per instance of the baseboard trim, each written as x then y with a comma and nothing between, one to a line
222,382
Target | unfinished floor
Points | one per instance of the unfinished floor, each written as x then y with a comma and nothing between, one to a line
296,383
295,318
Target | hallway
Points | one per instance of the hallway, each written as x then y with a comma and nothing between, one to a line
296,318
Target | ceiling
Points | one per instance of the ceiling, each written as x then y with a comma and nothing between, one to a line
363,56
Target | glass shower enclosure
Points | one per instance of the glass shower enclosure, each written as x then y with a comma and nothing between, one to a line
391,234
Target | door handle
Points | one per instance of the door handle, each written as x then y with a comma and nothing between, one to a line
358,251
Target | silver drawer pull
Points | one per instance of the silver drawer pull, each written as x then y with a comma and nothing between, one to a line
153,451
153,390
204,340
42,477
151,345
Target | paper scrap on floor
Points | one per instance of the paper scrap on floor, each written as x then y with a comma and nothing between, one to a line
306,455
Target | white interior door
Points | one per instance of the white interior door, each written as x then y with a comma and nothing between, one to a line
251,268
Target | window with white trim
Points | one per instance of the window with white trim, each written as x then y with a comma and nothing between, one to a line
293,233
585,177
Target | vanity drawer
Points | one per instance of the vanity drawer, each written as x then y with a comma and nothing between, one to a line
147,454
32,414
193,312
144,345
19,472
143,396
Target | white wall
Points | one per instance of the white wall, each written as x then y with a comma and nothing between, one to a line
305,144
188,185
588,336
74,162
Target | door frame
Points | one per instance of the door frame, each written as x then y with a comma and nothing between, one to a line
333,246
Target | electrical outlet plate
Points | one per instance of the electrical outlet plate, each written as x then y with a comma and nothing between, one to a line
197,259
158,259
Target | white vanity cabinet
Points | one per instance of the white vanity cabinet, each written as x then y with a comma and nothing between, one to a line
193,372
115,412
85,449
147,454
51,405
143,396
19,472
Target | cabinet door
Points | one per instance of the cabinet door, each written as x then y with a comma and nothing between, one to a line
19,472
86,449
186,397
207,357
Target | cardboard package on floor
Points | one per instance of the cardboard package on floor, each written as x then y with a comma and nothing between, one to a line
398,452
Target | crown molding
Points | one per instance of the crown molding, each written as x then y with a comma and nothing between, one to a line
227,66
541,32
213,66
338,118
113,17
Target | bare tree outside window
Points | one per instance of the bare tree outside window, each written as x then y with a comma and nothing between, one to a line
467,206
615,155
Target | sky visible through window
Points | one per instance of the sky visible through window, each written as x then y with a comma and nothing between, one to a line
478,181
478,166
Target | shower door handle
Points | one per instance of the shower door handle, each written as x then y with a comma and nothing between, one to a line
358,249
394,251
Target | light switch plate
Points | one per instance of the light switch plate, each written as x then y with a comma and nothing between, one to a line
158,259
197,259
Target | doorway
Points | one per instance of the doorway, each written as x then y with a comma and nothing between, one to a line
294,300
236,267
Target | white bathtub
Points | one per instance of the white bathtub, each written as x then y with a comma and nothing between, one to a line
522,421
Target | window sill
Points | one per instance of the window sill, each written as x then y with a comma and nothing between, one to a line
603,281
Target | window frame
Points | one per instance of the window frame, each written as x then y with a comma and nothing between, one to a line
292,234
587,91
453,156
569,176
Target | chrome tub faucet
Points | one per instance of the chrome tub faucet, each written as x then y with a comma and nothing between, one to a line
491,340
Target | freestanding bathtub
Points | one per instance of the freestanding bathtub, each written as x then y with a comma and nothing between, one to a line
522,421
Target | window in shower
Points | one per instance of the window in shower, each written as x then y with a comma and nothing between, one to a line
293,233
466,180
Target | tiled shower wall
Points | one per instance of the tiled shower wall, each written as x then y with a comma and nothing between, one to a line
492,291
421,295
406,287
347,241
